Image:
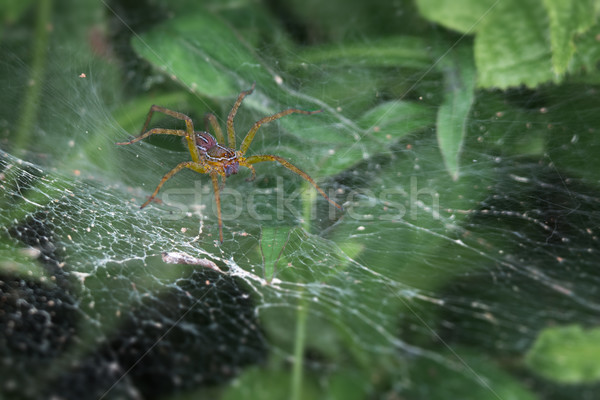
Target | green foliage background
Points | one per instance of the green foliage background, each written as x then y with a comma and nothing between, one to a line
401,84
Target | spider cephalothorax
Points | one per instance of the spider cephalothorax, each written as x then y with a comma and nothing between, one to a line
211,156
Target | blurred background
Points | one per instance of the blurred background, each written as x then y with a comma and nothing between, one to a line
461,138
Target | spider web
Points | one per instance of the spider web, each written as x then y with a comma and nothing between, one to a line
102,300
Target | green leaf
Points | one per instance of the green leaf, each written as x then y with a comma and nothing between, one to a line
12,10
202,53
452,117
587,55
393,120
403,51
512,48
268,384
567,354
464,16
567,19
20,261
472,377
273,242
517,42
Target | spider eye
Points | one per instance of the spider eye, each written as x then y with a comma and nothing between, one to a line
232,168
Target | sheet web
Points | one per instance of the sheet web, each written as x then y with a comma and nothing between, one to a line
92,282
419,276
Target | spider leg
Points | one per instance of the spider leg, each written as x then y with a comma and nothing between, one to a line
210,119
215,182
189,128
288,165
230,130
250,135
156,131
188,164
251,168
222,185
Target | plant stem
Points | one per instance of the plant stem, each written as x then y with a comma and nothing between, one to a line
309,198
38,63
308,201
299,344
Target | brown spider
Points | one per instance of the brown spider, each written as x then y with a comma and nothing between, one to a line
211,156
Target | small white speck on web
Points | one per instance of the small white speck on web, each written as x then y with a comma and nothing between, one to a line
278,79
199,230
575,139
31,252
80,276
519,178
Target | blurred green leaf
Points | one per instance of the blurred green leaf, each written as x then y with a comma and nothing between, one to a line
12,10
390,121
464,16
204,54
273,242
566,354
404,51
452,117
268,384
567,19
21,262
511,46
587,55
471,377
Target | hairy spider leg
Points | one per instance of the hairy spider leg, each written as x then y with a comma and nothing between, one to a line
268,157
210,119
215,182
189,129
252,132
251,168
155,131
188,164
230,130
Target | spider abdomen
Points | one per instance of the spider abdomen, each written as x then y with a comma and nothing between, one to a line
205,141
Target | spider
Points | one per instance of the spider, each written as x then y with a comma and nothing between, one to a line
211,156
